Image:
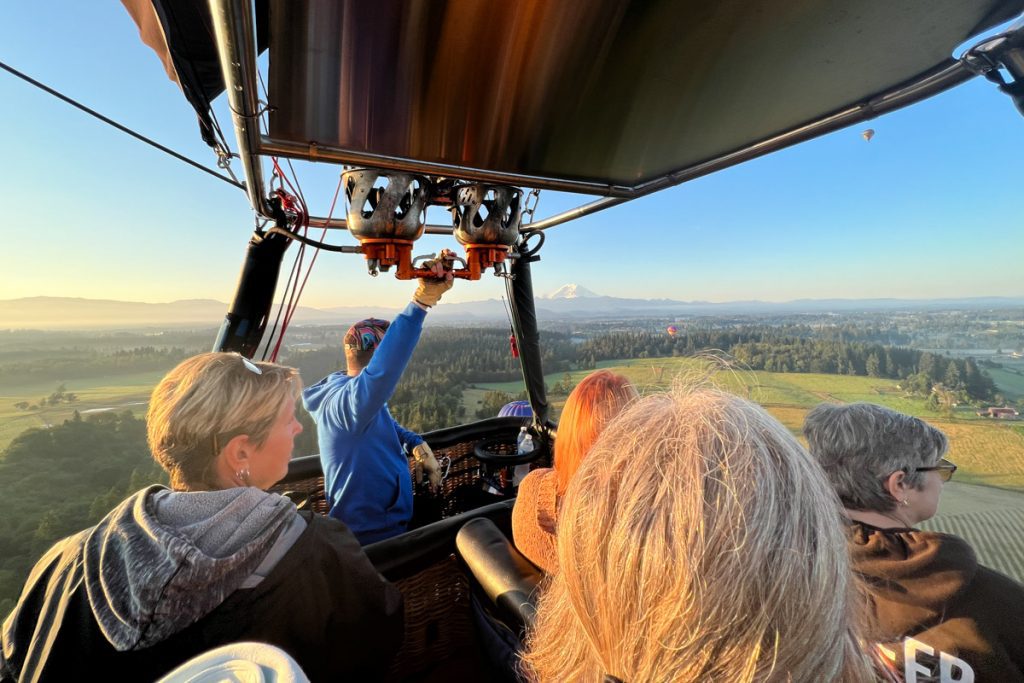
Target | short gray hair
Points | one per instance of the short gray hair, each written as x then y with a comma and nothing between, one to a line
860,444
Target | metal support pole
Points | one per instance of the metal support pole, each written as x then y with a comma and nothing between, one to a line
524,322
243,327
236,45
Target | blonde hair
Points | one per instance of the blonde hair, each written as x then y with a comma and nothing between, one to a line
699,541
205,402
598,398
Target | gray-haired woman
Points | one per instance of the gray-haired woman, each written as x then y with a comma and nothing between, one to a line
938,614
169,574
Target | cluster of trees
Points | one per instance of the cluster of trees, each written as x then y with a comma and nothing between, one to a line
446,361
54,482
494,401
61,395
76,364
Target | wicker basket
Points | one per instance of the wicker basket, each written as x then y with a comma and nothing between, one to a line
439,627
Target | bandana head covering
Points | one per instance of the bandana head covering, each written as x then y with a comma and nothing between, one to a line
365,335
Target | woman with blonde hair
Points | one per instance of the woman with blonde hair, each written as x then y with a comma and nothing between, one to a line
698,542
598,398
171,573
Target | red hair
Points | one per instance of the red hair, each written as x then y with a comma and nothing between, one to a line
590,407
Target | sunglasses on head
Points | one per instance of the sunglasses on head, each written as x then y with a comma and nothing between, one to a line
944,467
250,366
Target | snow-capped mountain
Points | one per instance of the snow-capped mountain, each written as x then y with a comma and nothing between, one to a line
572,291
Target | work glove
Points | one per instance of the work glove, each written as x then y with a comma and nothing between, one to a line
426,462
432,289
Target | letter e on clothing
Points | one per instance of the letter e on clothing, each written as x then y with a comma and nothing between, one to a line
951,669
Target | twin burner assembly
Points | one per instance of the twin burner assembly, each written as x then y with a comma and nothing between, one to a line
387,214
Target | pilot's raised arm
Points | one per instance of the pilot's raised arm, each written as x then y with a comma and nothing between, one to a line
362,447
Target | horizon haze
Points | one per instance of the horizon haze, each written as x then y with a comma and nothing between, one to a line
570,302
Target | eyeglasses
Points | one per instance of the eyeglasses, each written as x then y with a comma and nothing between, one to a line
945,469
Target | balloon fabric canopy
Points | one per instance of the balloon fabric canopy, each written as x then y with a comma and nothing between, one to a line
516,409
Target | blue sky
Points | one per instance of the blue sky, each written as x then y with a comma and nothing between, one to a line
929,208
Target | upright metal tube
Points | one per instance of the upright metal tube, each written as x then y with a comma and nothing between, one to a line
524,320
236,45
246,320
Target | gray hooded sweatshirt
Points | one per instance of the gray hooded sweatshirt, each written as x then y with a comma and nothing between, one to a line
144,561
145,580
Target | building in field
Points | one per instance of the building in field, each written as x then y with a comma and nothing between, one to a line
1003,413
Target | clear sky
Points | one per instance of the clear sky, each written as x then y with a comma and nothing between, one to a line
929,208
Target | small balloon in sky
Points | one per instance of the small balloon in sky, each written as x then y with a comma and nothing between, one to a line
868,134
672,330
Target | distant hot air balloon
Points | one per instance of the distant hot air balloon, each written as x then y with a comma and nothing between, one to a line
868,134
672,330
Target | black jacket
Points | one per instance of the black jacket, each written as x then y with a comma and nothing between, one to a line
928,592
323,603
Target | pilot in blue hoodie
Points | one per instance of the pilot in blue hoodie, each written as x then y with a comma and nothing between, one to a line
362,448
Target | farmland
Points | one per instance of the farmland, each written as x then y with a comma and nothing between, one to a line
127,392
988,452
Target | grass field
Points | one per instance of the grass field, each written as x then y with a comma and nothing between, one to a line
130,392
990,519
1009,380
988,452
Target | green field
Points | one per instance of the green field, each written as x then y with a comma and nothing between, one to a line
988,452
1009,379
130,393
992,521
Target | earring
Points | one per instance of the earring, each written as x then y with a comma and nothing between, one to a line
904,502
243,476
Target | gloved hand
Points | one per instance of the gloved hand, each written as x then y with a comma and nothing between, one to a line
425,461
432,289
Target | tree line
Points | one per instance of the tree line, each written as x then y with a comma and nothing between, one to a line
79,364
446,361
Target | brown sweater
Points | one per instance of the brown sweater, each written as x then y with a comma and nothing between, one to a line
534,517
936,608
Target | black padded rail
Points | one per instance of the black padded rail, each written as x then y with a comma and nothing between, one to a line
506,577
407,554
308,466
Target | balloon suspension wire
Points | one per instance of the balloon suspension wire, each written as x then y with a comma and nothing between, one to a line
284,310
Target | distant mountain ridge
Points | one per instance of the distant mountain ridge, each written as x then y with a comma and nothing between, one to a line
570,302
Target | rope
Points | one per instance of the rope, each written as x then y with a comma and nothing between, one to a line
120,127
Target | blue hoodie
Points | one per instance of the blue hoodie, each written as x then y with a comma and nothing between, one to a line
362,448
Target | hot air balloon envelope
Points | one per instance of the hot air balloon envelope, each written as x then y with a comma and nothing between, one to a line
516,409
672,330
868,134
